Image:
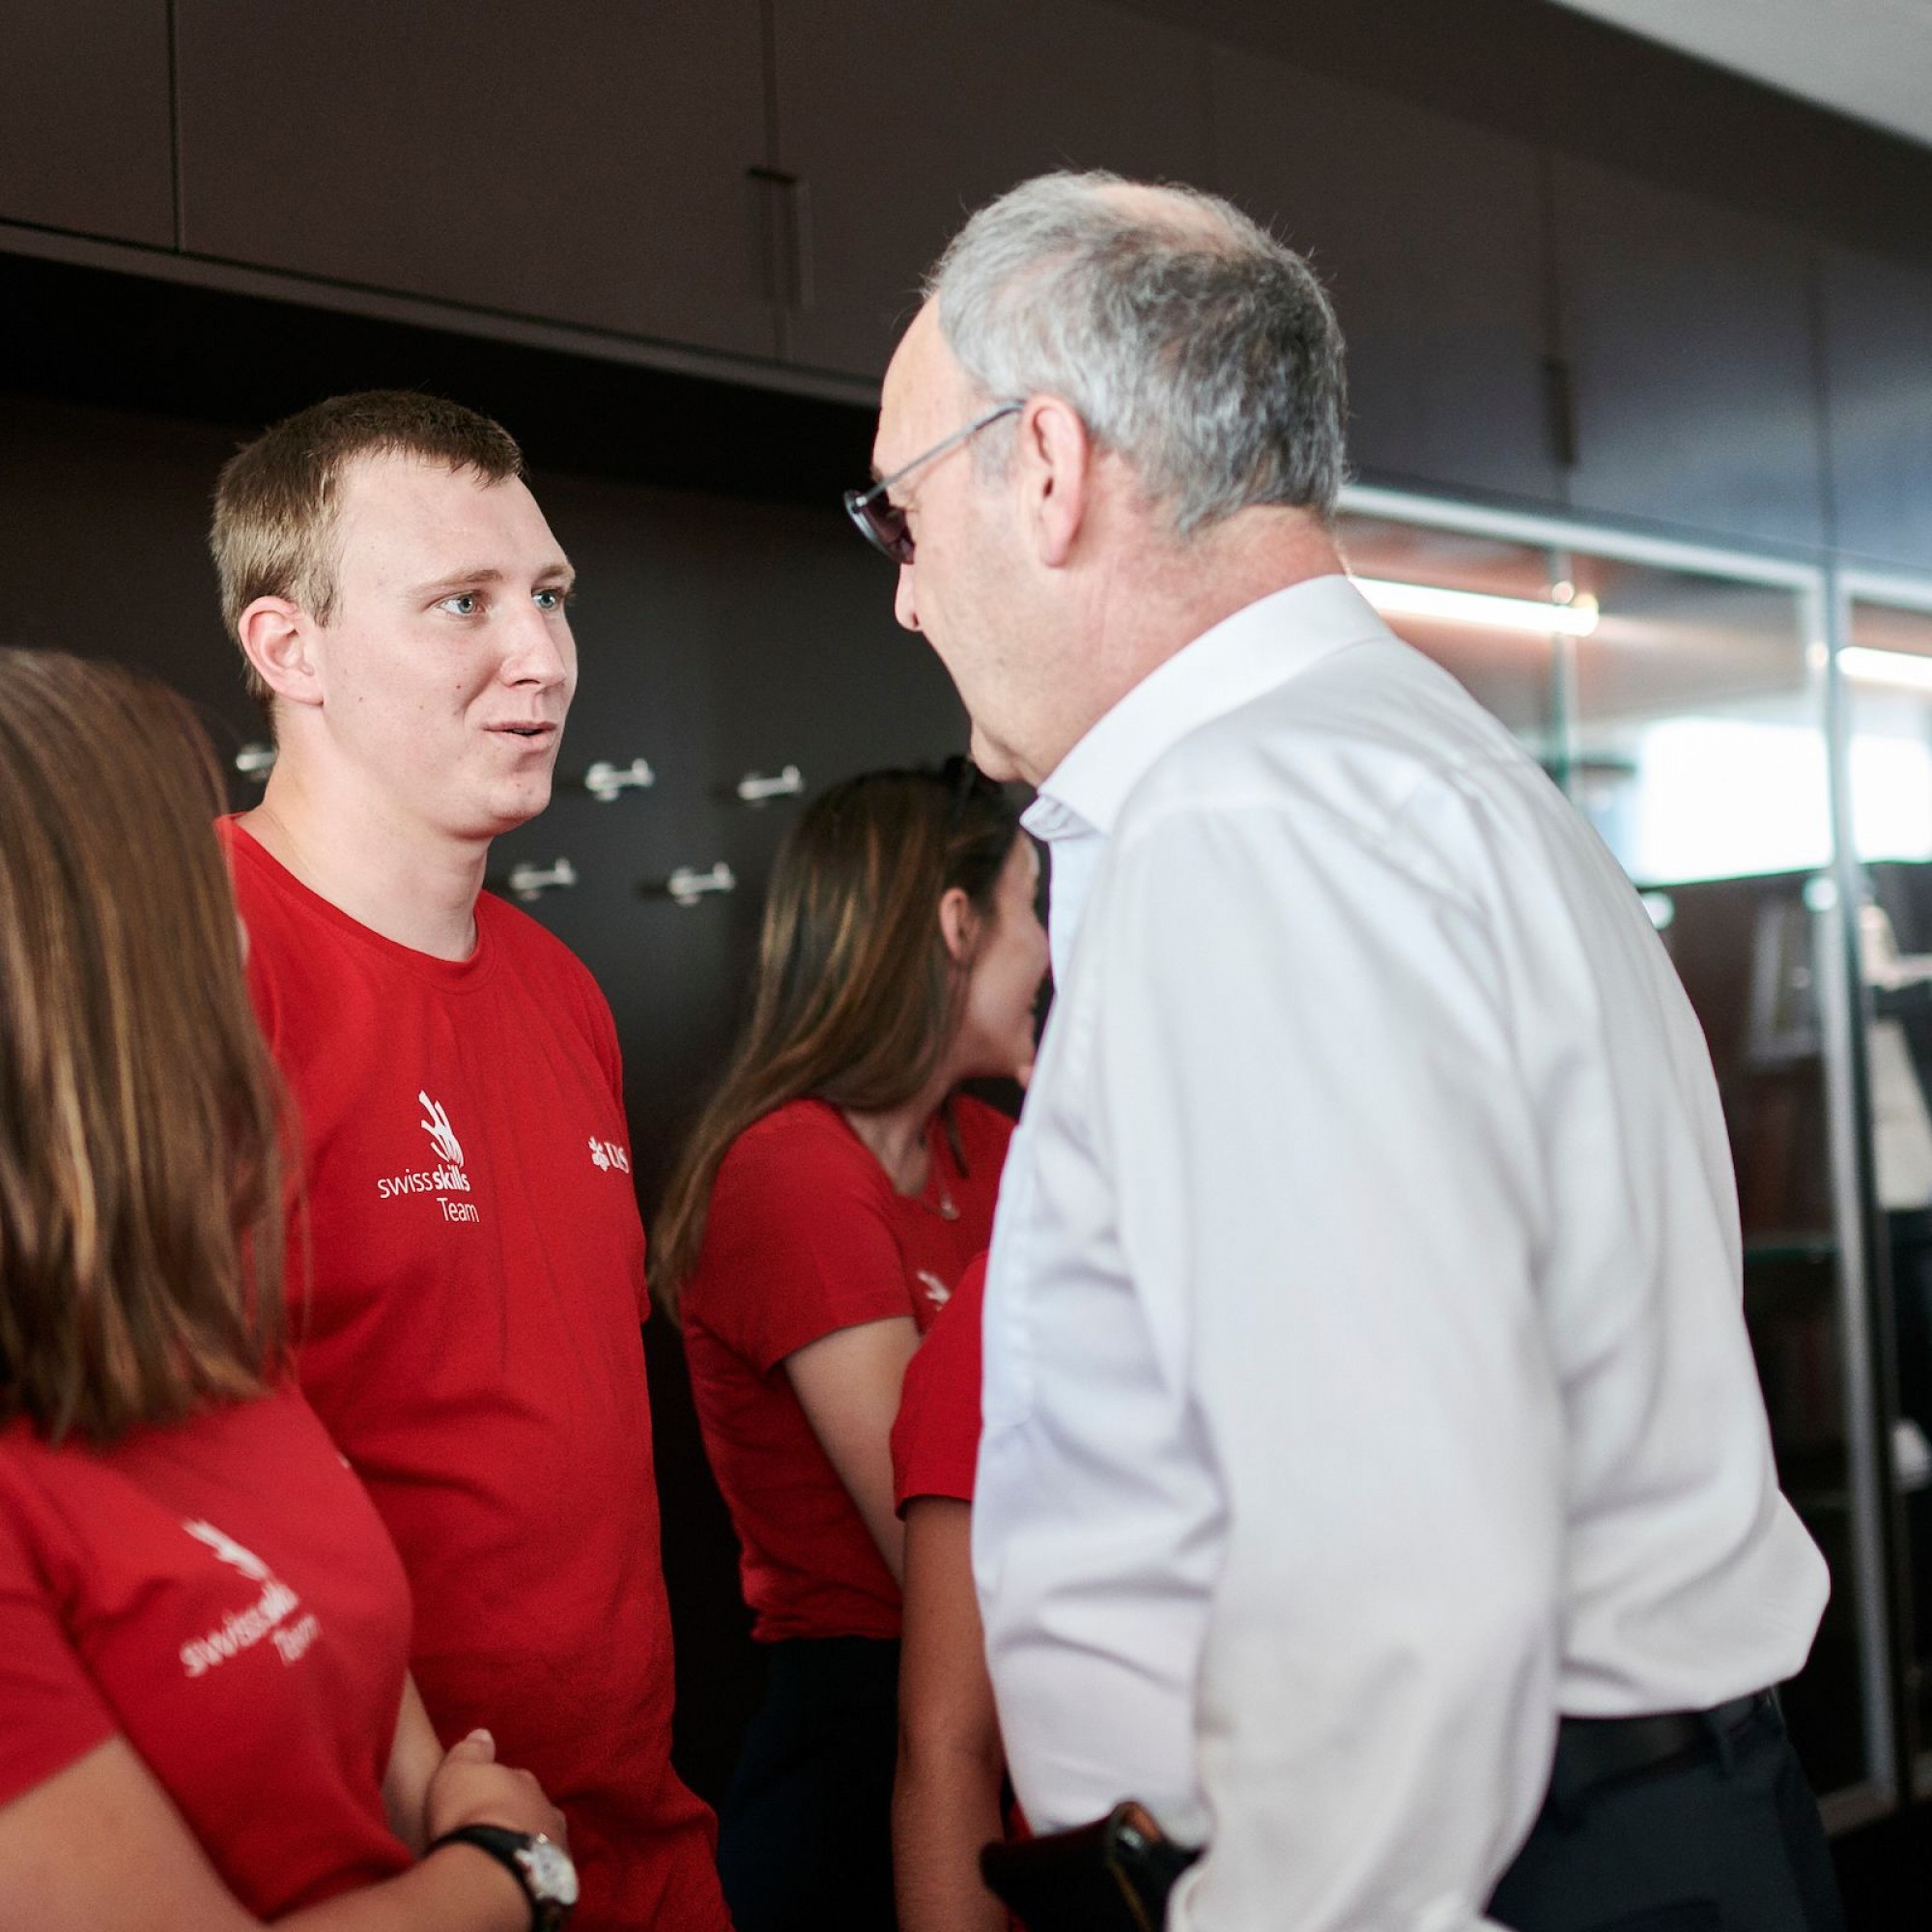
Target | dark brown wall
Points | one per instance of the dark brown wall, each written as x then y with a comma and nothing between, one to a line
1579,270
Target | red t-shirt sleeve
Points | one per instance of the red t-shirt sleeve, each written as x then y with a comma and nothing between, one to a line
936,1438
54,1714
798,1242
602,1025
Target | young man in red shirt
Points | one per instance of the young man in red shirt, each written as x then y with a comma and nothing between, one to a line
470,1235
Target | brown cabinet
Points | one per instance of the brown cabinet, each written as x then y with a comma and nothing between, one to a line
895,123
1878,318
84,127
1427,232
586,165
1689,328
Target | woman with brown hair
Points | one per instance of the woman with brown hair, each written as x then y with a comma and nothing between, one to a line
832,1193
204,1714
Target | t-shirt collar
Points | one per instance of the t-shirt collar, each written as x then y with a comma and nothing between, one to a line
1259,647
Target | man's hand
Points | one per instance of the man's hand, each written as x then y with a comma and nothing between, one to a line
471,1787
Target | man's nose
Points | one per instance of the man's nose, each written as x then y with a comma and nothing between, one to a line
905,605
540,651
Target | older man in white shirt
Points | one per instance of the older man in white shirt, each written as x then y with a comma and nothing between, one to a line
1368,1414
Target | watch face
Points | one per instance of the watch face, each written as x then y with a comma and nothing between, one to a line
552,1876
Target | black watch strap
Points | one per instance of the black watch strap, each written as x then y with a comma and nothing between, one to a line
541,1866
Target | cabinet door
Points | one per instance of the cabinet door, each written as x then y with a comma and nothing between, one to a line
898,122
1427,232
1690,331
585,164
1878,333
84,137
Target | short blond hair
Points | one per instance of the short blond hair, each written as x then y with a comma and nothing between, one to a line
277,499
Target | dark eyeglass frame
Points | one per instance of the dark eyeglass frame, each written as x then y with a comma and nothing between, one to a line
880,520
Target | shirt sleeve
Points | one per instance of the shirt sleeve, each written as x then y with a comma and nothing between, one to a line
936,1438
797,1244
54,1712
604,1033
1326,1173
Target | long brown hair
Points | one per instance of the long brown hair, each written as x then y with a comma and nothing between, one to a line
140,1197
856,995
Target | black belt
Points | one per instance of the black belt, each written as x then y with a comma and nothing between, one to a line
1591,1750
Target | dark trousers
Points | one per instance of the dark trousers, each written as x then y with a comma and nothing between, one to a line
805,1833
1727,1835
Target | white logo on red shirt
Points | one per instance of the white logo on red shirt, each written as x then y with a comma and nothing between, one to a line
607,1155
267,1616
446,1178
229,1550
447,1147
936,1291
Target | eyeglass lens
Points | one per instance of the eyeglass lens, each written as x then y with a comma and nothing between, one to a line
881,521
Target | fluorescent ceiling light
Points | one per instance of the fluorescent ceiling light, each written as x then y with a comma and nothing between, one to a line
1903,669
1576,619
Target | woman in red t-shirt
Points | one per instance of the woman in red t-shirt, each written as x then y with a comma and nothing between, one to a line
832,1193
204,1714
952,1767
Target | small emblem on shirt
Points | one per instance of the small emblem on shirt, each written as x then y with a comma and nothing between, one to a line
936,1291
607,1155
229,1550
448,1177
437,1127
273,1614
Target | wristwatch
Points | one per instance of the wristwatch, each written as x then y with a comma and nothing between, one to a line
540,1866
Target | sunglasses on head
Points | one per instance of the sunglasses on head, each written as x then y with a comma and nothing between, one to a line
880,520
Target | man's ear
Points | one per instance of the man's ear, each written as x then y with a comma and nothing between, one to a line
1055,455
959,924
278,638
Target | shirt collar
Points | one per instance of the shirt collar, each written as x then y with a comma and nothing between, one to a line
1257,649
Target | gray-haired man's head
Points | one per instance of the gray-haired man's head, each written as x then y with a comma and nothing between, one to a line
1116,420
1190,341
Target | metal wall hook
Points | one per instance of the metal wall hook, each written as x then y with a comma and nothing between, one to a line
688,885
755,787
255,761
531,882
603,780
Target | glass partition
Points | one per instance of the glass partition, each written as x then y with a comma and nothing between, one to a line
1885,662
1682,709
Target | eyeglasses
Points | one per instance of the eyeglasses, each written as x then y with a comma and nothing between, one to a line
880,520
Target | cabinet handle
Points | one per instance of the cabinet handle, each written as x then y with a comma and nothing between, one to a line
1559,404
789,253
756,787
687,886
802,252
603,780
531,882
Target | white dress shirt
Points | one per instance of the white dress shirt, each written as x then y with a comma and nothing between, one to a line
1366,1380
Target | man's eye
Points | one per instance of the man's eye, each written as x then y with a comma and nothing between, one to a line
464,604
553,597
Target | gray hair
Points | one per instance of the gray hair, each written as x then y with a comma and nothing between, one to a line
1190,341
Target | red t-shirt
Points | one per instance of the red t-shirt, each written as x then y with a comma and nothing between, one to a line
472,1343
221,1595
936,1438
806,1234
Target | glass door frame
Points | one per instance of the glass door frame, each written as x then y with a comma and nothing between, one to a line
1847,587
1824,611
